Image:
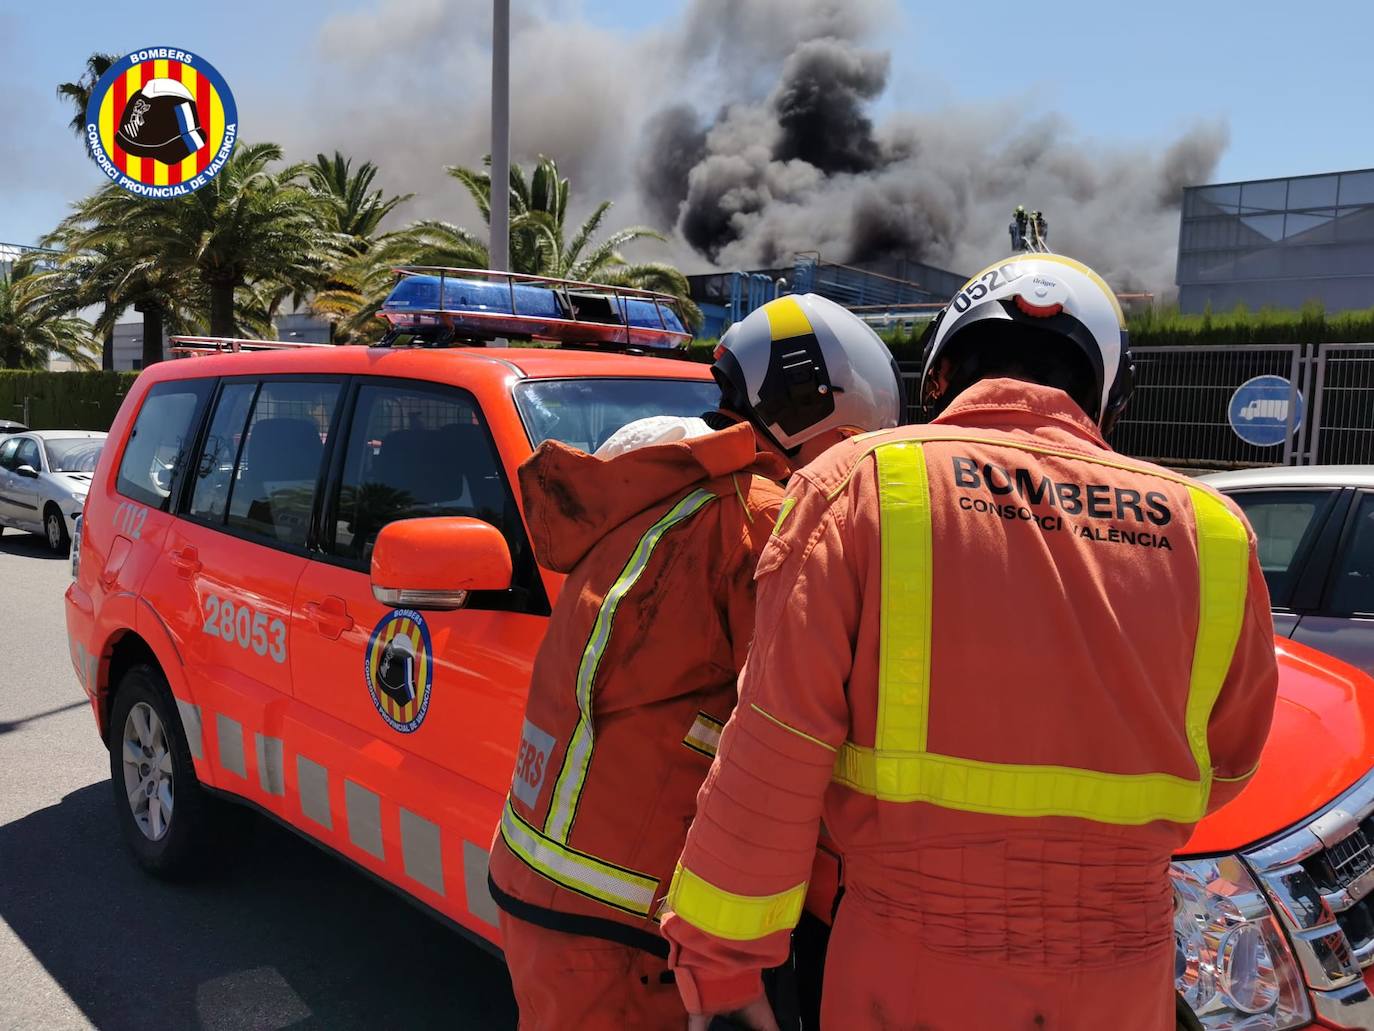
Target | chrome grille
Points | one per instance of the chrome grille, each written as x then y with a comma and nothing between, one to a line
1321,879
1350,857
1342,872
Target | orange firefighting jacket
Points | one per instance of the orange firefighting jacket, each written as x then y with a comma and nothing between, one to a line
1012,669
636,675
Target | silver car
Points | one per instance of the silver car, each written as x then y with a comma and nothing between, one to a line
1315,526
45,476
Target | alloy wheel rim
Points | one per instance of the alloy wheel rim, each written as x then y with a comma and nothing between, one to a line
147,771
54,531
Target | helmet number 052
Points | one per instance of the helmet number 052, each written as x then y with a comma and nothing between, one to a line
983,285
241,625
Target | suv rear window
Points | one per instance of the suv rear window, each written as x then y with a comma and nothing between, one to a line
156,451
263,457
583,413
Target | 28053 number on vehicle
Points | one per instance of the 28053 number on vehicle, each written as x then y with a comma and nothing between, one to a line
243,625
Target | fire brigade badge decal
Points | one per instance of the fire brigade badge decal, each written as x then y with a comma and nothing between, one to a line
161,122
399,666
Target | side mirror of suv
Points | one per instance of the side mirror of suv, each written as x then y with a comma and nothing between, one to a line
433,563
27,471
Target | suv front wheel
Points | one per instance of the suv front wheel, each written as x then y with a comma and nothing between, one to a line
163,811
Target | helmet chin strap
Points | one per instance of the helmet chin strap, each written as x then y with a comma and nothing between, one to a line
720,421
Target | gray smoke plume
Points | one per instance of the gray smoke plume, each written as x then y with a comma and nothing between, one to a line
746,130
674,142
820,106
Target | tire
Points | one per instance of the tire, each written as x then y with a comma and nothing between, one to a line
55,530
163,812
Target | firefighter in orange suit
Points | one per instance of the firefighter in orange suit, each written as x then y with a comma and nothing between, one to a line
638,671
1011,668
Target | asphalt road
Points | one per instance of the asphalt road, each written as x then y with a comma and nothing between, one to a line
275,935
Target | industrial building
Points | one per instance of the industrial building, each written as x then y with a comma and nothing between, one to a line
297,327
1278,243
885,292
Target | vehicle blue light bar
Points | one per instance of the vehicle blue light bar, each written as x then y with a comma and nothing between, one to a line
454,305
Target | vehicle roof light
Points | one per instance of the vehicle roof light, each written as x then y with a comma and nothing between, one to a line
436,306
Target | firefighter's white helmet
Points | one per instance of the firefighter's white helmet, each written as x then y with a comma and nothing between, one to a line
801,365
1047,293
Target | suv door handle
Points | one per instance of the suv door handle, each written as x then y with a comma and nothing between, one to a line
186,561
330,616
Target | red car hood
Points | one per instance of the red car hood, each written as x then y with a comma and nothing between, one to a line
1321,743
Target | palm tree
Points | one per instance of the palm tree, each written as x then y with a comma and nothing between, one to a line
360,277
539,244
28,335
250,226
79,92
101,265
354,212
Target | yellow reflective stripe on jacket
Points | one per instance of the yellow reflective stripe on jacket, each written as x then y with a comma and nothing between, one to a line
1009,789
605,882
1223,553
904,656
568,789
899,769
730,916
704,735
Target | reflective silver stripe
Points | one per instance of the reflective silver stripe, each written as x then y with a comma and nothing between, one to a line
312,783
230,733
269,764
480,902
190,722
364,811
421,853
568,790
623,889
704,736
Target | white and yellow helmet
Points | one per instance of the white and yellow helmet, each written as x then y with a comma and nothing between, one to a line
801,365
1047,293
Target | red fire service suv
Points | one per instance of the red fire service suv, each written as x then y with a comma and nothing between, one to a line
303,582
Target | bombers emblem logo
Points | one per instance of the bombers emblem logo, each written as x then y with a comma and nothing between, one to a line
400,669
161,122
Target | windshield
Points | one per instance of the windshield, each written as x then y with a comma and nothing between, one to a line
73,454
583,413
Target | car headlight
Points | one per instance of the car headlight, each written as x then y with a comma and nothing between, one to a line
1232,964
78,498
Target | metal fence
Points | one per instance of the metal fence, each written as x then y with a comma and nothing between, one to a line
1225,407
1343,405
1182,411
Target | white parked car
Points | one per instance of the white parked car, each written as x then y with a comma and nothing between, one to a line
44,478
1315,526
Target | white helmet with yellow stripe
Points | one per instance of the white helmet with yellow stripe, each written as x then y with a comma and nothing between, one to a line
801,365
1029,299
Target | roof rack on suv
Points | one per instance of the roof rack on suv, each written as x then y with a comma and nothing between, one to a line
433,306
186,347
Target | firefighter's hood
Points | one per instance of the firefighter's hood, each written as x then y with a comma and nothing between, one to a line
573,499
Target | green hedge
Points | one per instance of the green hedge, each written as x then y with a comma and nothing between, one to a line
1156,327
64,400
1309,324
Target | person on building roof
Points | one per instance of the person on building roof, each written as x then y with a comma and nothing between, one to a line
1011,668
659,534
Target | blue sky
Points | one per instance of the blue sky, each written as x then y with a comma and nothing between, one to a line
1291,82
